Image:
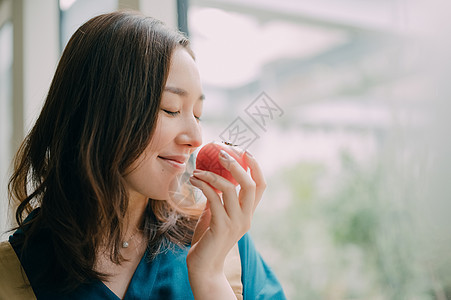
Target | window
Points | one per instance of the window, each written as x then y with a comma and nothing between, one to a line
73,13
6,113
313,85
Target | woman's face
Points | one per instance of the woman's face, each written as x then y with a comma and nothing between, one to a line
177,133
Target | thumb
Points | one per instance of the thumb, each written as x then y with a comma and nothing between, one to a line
202,224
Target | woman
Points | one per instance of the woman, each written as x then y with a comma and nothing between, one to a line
95,177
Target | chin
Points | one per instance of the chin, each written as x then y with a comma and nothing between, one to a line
160,198
166,190
161,195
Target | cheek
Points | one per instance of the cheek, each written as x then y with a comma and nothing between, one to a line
151,180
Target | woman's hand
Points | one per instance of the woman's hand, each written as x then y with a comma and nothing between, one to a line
222,223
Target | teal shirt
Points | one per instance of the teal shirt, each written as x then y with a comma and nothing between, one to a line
164,277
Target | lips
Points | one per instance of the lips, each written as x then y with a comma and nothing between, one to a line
181,159
176,162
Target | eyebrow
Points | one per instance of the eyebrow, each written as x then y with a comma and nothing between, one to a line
180,92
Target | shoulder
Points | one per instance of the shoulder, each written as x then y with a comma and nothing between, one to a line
259,281
8,260
33,250
13,281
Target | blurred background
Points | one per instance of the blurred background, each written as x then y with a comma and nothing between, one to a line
343,102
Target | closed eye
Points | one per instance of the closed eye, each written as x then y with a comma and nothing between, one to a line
172,113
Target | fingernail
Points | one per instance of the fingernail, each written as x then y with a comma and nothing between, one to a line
224,155
193,179
249,154
197,171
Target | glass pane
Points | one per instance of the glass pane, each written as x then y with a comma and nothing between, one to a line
6,121
325,91
76,12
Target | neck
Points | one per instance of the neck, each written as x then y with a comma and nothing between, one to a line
135,214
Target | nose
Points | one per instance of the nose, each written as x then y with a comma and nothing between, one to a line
191,134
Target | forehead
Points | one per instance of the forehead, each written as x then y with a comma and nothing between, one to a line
183,71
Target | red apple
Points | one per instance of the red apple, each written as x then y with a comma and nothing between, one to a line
208,159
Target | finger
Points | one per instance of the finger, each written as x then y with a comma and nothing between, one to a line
229,195
257,176
202,224
247,192
216,207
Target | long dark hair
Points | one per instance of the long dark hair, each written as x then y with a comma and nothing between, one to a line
98,117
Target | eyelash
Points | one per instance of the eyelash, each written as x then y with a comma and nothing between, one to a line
174,113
